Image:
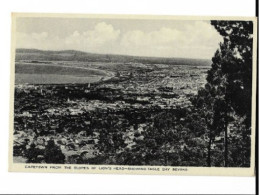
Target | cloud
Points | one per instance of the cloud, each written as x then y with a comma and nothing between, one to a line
93,40
196,39
162,37
102,35
32,40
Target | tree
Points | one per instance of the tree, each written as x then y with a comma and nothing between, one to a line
34,154
237,63
159,143
110,138
53,154
230,78
204,107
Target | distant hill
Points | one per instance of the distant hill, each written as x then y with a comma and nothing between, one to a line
73,55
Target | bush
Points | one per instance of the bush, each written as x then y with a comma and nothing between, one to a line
53,154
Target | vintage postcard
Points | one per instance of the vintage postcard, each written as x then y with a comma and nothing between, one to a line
133,94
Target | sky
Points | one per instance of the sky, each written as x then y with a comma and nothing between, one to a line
138,37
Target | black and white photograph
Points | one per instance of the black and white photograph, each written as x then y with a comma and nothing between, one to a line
162,95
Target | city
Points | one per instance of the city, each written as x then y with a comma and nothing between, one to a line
74,115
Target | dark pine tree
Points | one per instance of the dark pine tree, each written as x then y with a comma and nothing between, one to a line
229,82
